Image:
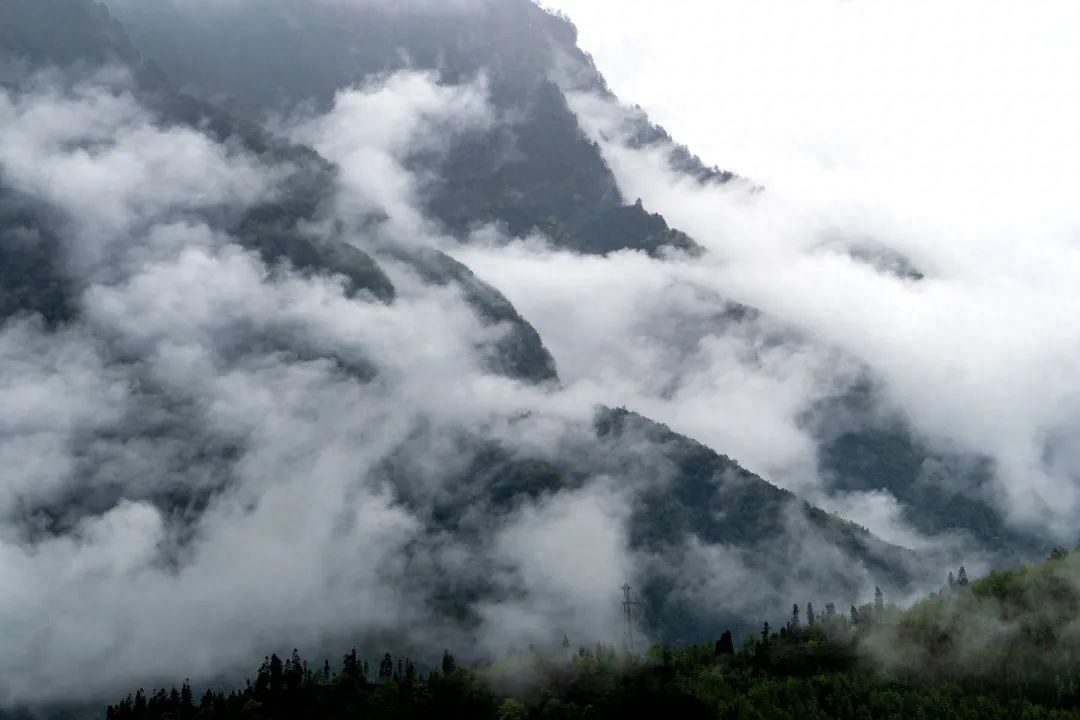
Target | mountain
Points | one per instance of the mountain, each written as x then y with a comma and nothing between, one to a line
93,37
536,169
255,350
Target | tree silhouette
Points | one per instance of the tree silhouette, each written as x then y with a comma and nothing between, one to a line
386,668
448,664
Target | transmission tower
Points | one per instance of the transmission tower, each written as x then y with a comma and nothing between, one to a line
628,604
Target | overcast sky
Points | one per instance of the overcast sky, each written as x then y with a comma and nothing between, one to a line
909,103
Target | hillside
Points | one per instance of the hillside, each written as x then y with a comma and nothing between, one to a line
536,169
1018,663
286,419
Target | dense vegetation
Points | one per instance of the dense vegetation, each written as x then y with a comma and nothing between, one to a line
872,661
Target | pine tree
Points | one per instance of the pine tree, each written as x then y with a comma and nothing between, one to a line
961,577
351,666
277,674
386,668
794,616
879,604
448,664
809,614
725,645
187,700
326,670
294,672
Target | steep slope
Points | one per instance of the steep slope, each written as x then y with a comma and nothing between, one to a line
64,32
533,169
280,229
712,503
215,408
940,491
1014,627
709,544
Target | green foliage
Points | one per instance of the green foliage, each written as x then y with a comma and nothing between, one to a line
1014,627
833,669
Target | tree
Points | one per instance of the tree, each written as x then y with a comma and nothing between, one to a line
262,679
1058,553
187,700
830,611
809,615
961,577
879,604
277,674
326,670
448,664
765,633
854,616
386,668
725,645
513,709
351,666
294,672
794,616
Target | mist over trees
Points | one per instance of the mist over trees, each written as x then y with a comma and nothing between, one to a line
934,661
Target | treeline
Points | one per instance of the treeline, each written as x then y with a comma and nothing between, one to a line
1003,647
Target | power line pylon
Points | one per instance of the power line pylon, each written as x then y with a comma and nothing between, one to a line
628,604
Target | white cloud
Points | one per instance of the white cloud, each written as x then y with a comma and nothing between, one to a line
941,132
373,130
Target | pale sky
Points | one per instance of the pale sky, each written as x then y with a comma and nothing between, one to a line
891,102
944,130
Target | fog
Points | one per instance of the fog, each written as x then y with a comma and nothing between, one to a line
219,456
940,133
